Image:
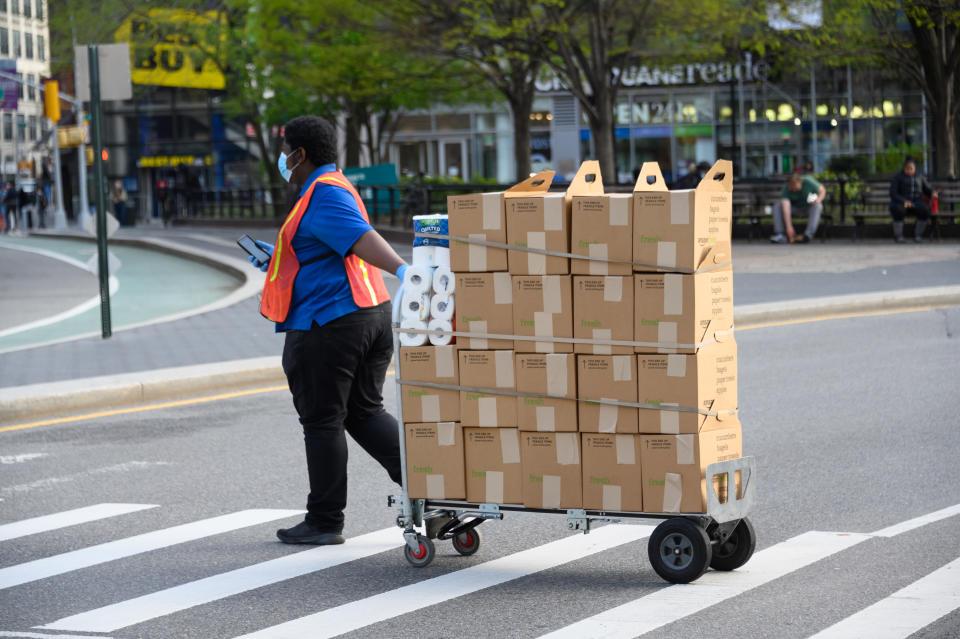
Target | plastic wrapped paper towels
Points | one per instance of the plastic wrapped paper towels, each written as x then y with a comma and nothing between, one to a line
431,251
413,339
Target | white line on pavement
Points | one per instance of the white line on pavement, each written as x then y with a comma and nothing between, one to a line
83,307
22,457
67,562
67,518
37,635
364,612
195,593
905,611
917,522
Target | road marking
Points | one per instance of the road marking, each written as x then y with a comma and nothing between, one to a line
835,316
171,600
67,518
49,482
917,522
364,612
37,635
675,602
102,553
905,611
19,459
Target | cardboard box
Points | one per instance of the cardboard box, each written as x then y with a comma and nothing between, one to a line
675,313
436,364
674,467
435,461
603,309
547,374
493,370
484,304
705,381
493,470
551,470
477,216
678,229
601,226
542,307
610,377
611,472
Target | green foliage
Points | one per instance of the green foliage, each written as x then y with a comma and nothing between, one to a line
890,160
850,165
852,187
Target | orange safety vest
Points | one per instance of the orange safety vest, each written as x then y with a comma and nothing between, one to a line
366,282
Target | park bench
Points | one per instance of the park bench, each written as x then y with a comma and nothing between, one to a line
874,202
766,194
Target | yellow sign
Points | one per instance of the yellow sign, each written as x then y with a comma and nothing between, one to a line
175,48
69,137
173,160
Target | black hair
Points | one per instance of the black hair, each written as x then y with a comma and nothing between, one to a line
317,137
909,160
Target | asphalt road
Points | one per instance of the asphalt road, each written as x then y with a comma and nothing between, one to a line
853,422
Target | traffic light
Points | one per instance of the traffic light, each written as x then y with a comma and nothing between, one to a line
51,100
104,155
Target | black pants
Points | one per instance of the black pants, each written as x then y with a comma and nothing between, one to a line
919,208
336,373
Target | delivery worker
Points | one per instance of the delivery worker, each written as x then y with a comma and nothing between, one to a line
325,291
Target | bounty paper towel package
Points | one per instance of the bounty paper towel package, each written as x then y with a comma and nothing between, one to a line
431,251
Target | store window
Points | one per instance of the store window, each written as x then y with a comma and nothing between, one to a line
33,128
41,49
31,91
28,8
4,41
40,9
651,109
414,123
21,127
453,122
28,41
3,5
693,109
541,156
15,7
413,158
7,126
487,144
17,51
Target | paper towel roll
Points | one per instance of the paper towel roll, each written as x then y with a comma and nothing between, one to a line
441,307
413,339
444,280
441,325
425,255
418,279
441,256
415,306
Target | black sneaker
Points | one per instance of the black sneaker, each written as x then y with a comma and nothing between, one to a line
304,533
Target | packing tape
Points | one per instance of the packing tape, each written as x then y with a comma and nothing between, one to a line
502,288
667,334
680,209
607,419
626,450
669,421
477,254
676,365
667,254
602,333
551,491
444,360
672,294
620,209
685,449
493,488
492,211
552,302
568,448
672,492
613,289
446,434
623,368
478,326
503,362
546,419
557,374
598,256
611,497
536,262
487,411
509,445
435,487
553,213
430,408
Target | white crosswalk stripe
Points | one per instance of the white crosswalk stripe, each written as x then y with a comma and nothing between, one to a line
904,612
67,518
390,604
83,558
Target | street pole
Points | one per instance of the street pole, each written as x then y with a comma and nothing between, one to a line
60,214
16,175
813,117
97,139
82,148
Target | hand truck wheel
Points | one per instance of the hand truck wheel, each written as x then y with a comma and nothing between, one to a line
679,550
423,555
737,549
467,542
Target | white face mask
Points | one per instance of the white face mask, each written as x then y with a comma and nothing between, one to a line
282,165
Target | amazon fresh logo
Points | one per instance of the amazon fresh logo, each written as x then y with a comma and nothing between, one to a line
586,244
655,402
423,469
649,322
536,479
472,319
599,480
478,473
416,393
524,322
649,240
591,324
657,482
533,401
474,396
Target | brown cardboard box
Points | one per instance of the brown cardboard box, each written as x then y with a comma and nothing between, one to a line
542,308
435,461
493,465
603,309
674,313
674,466
677,229
551,470
601,226
493,370
611,472
436,364
705,381
477,216
484,304
547,374
611,377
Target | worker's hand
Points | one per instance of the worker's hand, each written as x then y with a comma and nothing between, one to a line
268,249
401,271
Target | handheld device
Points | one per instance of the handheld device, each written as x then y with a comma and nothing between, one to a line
248,244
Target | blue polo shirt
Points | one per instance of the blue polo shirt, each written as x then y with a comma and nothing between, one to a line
327,232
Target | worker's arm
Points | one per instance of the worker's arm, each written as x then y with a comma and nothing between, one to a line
821,194
372,248
787,221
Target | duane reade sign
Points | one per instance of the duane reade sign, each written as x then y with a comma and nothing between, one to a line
694,73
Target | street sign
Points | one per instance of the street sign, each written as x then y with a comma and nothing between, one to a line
114,72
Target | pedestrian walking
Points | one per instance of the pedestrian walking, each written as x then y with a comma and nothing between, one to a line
325,291
119,198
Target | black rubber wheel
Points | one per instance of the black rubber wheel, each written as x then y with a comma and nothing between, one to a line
737,549
467,542
424,554
679,550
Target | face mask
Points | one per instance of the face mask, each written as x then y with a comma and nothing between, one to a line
282,165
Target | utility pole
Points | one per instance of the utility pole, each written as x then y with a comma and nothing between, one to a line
82,148
97,139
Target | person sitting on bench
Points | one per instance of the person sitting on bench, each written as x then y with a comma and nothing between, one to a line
799,192
906,198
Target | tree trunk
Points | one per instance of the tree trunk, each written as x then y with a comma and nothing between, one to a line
352,141
521,106
274,179
945,134
602,130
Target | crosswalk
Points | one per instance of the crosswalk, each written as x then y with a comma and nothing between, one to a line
913,607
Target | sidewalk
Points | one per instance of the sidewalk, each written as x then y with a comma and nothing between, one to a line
230,345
